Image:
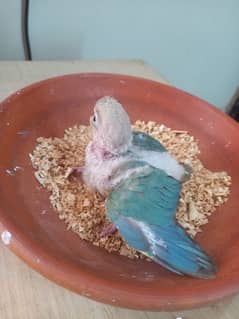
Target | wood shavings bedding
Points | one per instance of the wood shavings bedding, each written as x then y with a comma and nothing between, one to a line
84,212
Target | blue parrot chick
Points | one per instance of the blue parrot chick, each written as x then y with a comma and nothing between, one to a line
142,184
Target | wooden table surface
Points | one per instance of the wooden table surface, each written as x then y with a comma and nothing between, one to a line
24,294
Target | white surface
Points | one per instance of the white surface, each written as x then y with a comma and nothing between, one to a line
15,75
6,237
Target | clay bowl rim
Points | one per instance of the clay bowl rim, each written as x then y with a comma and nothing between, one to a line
65,275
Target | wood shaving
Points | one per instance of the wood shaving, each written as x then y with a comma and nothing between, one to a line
84,212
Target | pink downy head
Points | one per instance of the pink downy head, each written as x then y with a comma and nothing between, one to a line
111,126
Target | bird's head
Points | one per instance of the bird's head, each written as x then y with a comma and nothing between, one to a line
111,126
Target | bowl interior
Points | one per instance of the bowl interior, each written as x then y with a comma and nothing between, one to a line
41,239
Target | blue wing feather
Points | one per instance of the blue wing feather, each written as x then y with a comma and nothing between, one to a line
151,197
181,252
143,209
146,142
130,230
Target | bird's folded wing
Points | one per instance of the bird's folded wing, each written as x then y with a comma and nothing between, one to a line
146,142
151,196
142,208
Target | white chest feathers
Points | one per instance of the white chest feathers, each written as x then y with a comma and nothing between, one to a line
164,161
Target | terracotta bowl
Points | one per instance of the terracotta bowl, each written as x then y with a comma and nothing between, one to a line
46,109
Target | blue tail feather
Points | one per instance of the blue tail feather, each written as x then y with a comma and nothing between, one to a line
180,253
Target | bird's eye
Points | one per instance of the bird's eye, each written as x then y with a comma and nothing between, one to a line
94,119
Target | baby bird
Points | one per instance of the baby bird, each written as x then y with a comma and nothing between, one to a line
142,184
